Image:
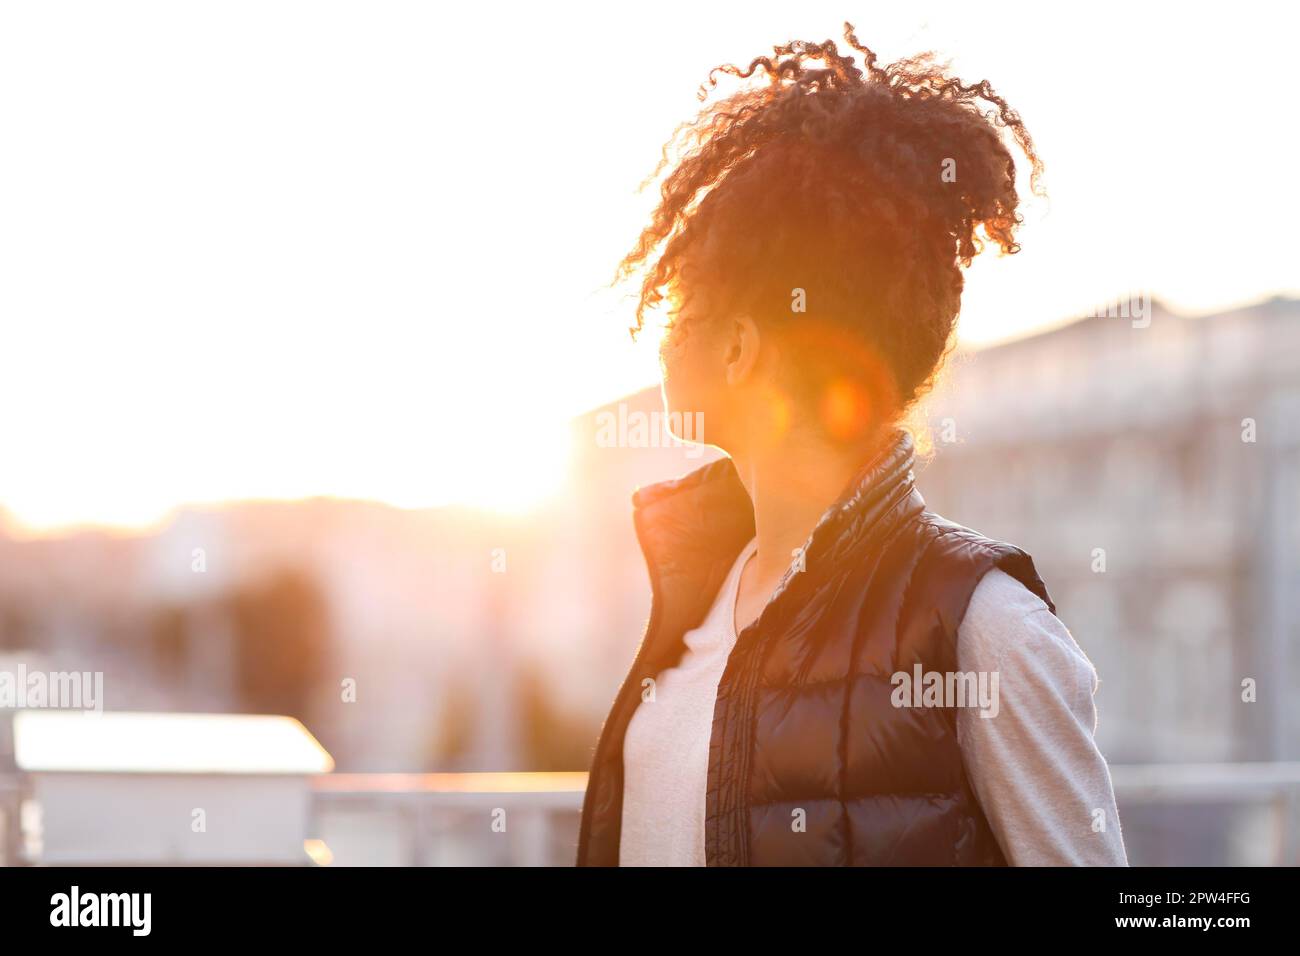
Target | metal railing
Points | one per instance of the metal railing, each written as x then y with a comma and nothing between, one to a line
447,818
1273,788
521,819
531,819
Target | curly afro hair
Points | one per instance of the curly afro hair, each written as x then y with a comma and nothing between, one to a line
865,188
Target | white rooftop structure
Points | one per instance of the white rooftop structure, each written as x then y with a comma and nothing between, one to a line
147,788
87,742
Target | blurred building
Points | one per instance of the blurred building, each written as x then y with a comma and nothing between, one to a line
1167,454
448,639
1171,451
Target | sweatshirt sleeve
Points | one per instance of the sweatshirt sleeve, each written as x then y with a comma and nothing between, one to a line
1031,758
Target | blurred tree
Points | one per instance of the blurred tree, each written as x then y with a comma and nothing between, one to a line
169,634
453,738
15,628
551,738
282,643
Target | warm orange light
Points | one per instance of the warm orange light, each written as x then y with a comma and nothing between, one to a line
845,409
318,851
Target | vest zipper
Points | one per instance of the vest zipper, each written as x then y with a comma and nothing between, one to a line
748,685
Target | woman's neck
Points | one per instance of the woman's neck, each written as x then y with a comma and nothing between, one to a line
791,486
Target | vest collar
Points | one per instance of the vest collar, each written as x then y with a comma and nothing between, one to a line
691,529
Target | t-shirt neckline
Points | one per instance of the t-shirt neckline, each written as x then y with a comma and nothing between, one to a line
733,584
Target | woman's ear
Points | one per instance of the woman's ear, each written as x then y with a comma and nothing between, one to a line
742,347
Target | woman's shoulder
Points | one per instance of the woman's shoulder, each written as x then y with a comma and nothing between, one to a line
1008,626
1000,597
950,551
948,540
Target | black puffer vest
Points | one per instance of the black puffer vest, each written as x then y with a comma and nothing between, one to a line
804,719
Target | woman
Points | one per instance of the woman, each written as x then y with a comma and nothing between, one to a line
797,698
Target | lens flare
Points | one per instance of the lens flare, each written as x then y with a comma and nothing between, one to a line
846,410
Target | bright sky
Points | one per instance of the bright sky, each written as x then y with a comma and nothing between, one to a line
271,249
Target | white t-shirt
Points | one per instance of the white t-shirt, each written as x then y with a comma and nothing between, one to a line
1034,767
